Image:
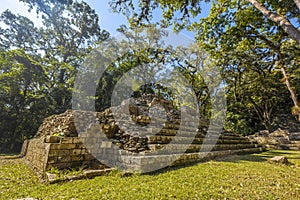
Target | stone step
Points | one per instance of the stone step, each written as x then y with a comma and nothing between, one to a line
295,136
170,132
294,148
232,137
174,124
165,129
297,142
177,148
186,140
295,133
159,129
173,121
288,147
149,163
283,147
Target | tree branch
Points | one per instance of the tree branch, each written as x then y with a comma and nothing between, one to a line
297,2
284,23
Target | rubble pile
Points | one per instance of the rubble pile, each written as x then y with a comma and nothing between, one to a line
127,125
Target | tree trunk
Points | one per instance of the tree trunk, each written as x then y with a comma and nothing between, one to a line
297,2
292,92
284,23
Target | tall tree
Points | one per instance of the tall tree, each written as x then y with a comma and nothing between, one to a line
253,30
182,13
40,62
146,53
240,30
22,102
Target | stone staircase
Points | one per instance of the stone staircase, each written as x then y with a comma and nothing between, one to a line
172,156
294,142
168,147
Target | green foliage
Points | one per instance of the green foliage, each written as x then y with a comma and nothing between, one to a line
61,134
22,101
54,171
156,60
248,48
174,12
62,174
295,110
238,123
38,65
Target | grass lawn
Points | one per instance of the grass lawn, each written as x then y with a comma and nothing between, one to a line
235,177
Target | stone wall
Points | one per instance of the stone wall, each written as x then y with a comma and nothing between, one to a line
60,153
37,153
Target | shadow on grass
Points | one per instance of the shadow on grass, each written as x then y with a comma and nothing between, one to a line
174,168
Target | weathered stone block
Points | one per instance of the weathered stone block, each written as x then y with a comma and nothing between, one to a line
84,151
62,146
52,139
77,158
77,140
76,152
64,158
52,159
106,145
93,173
89,157
67,140
279,159
59,152
24,148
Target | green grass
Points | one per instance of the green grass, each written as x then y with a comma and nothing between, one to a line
235,177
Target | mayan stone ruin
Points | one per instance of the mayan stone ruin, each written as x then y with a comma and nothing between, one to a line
279,139
135,142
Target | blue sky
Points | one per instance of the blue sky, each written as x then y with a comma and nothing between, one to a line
108,20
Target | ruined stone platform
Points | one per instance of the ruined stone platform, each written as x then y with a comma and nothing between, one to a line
97,140
279,139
